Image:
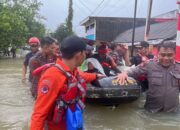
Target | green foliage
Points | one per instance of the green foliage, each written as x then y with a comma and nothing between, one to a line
12,29
19,20
70,16
65,29
62,32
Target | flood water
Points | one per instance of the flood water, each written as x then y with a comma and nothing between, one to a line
16,105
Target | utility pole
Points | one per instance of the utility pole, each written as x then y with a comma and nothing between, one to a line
134,26
148,20
178,34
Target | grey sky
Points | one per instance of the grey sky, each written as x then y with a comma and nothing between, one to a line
56,10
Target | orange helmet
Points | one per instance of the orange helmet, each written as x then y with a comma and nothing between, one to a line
33,41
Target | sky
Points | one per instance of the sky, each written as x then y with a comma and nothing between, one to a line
56,11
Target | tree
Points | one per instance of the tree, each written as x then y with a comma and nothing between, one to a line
65,29
19,20
70,17
61,32
28,10
36,29
12,29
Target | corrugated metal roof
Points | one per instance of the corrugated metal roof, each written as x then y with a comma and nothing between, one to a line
157,31
108,29
115,19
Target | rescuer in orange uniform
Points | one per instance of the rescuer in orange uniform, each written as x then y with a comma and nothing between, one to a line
53,84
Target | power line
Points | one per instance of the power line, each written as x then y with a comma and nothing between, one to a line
85,6
105,5
80,9
97,7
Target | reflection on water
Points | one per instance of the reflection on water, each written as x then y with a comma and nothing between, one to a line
129,116
15,100
16,106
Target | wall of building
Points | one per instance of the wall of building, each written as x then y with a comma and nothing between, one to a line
90,30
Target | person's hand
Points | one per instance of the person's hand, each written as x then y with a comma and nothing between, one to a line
125,46
144,61
124,49
100,76
23,79
122,77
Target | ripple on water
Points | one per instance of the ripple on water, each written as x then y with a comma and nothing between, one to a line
15,99
16,107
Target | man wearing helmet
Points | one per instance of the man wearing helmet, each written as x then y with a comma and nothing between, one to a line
34,46
47,54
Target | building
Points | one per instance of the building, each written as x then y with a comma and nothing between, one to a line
119,30
163,27
107,28
114,29
158,32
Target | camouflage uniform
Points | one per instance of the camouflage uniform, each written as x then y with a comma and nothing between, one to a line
163,92
36,61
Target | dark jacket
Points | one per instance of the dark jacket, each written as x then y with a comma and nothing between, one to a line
163,92
136,60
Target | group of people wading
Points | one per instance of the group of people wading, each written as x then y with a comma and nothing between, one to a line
59,86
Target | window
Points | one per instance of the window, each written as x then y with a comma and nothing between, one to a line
92,26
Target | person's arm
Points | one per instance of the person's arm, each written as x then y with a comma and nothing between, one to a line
89,77
47,94
138,70
133,72
114,66
126,58
24,71
126,55
111,62
24,68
